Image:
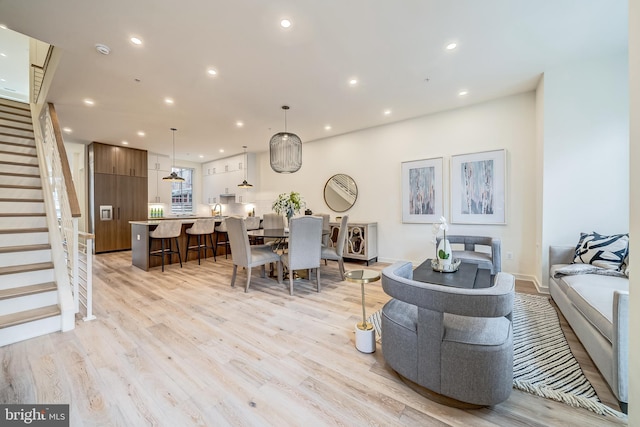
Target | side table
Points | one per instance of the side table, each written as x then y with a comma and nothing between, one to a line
365,334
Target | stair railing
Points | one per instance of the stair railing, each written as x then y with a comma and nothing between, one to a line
77,246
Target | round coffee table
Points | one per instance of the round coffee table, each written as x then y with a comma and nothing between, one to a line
365,334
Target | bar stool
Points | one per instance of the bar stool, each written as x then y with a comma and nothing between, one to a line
201,229
166,230
221,230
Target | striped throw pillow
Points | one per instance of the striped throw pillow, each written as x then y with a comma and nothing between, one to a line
602,251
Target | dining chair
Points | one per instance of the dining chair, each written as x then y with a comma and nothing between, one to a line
245,255
335,253
305,240
269,221
252,223
325,228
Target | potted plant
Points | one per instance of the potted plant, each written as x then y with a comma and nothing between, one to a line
288,204
443,250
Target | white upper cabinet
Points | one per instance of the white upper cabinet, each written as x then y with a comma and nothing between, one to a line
223,176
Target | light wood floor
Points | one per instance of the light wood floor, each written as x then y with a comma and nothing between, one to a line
183,348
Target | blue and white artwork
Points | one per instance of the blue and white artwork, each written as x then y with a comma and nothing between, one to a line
422,191
477,187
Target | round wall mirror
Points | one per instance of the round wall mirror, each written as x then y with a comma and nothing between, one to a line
340,192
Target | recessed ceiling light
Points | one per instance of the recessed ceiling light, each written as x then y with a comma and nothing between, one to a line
353,82
3,80
463,93
212,72
4,27
141,133
125,143
168,101
451,46
285,23
201,156
222,150
327,127
67,130
387,112
239,124
89,101
3,54
136,41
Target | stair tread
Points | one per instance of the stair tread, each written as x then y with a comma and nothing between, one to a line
11,119
17,144
2,162
12,269
24,248
20,175
17,153
24,230
28,316
21,214
20,144
16,128
24,187
13,135
27,290
18,200
22,106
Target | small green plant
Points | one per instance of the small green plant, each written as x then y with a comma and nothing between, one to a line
442,254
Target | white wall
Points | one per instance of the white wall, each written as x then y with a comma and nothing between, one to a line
634,213
373,158
585,173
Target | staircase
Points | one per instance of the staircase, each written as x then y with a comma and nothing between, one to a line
28,292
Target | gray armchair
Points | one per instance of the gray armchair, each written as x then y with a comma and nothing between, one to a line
455,342
491,261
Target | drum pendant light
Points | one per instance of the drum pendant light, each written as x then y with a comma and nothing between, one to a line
244,183
285,150
174,177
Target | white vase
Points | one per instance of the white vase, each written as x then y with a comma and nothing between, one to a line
445,246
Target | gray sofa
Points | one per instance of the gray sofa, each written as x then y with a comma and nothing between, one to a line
597,308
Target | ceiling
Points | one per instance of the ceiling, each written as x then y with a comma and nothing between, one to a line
396,51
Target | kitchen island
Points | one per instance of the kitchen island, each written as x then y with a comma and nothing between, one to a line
140,241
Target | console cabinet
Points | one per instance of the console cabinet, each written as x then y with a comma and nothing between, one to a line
362,240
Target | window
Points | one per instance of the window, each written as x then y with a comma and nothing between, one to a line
182,192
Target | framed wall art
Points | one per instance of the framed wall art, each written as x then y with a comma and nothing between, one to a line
478,188
422,191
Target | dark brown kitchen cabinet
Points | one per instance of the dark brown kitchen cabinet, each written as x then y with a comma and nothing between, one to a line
117,194
110,159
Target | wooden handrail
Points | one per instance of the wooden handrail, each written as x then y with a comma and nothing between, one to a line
66,170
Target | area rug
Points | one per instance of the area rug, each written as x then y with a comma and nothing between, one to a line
543,363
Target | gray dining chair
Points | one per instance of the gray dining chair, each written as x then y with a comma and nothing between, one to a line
335,252
326,227
269,221
305,243
245,255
